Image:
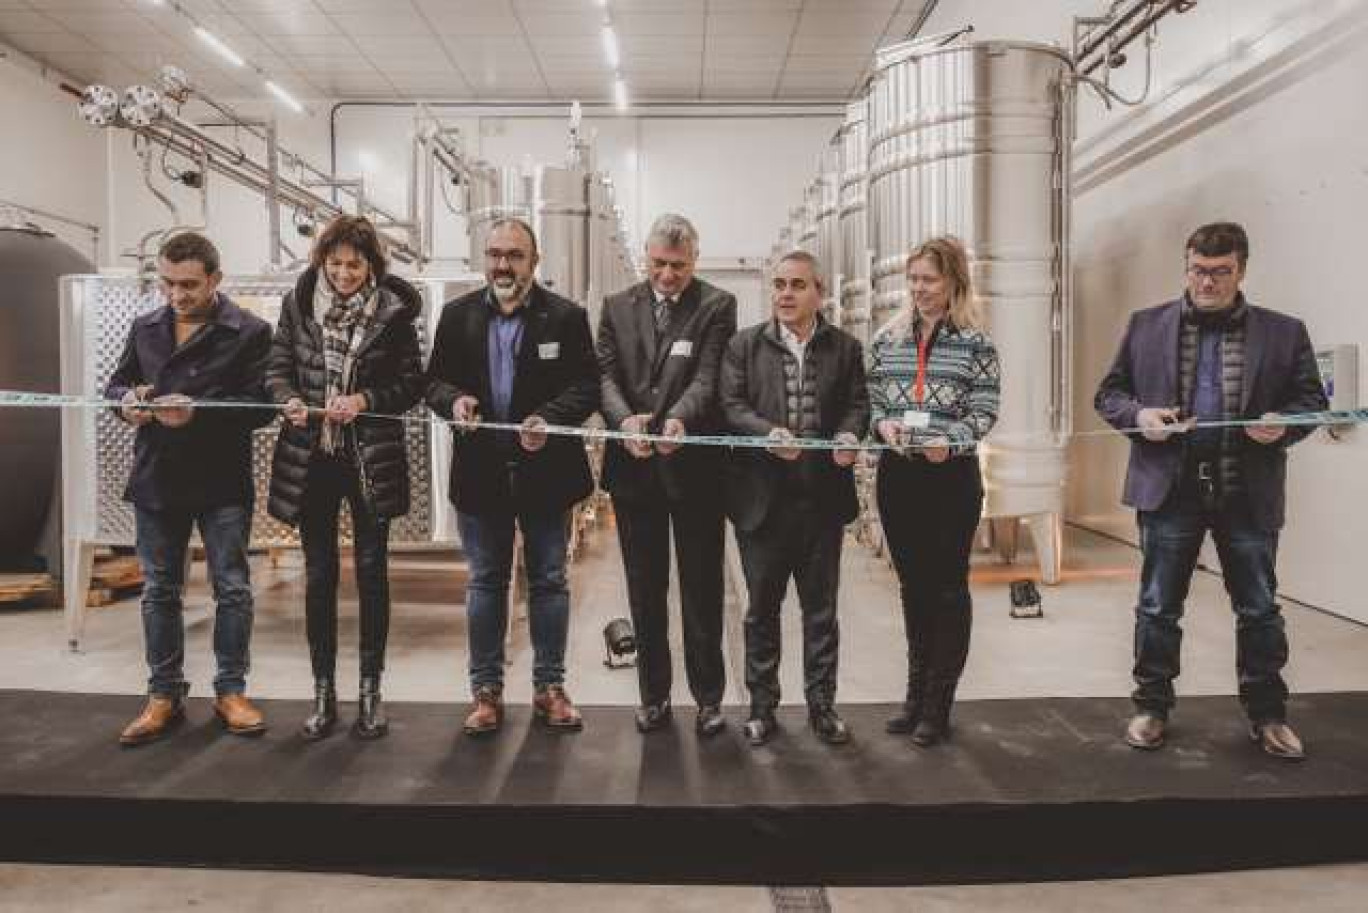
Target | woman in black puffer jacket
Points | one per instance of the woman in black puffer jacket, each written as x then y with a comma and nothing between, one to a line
346,344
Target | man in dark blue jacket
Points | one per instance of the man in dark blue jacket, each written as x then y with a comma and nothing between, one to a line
193,467
1210,357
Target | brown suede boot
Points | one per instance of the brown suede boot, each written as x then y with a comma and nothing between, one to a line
554,708
487,713
238,716
159,715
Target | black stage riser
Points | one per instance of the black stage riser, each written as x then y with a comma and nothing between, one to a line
1028,790
881,845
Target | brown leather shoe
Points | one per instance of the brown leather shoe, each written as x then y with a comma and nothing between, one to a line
159,716
238,716
554,708
1279,740
1145,732
487,713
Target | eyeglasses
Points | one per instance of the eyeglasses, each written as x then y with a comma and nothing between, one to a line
779,284
514,257
1216,274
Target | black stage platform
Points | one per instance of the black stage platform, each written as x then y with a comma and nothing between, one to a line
1029,790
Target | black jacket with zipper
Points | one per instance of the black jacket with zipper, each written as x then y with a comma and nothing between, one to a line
389,373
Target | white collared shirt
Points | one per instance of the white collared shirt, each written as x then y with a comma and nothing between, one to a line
797,348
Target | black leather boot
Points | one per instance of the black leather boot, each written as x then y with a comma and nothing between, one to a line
934,726
320,723
370,715
910,714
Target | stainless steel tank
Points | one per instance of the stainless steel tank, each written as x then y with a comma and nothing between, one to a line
604,274
853,221
972,141
802,229
494,193
828,198
561,217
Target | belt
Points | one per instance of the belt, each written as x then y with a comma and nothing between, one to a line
1207,476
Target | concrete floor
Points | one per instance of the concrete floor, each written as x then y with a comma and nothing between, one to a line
1080,648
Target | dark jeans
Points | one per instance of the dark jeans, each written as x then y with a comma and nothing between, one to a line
795,541
929,513
488,543
644,534
1170,540
163,538
332,479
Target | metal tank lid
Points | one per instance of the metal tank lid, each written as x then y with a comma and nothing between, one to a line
894,54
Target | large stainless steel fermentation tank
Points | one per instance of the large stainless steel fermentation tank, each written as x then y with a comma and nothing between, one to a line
973,140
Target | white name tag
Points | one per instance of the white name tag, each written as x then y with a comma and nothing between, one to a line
682,347
548,350
916,420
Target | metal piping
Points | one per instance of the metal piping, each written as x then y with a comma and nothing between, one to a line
1093,49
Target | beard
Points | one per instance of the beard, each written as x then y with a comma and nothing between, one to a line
507,288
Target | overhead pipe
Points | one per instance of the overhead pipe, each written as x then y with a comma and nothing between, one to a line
1094,49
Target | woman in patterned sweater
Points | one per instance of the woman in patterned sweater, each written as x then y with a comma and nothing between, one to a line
933,384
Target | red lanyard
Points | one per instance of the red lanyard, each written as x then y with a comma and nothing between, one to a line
923,350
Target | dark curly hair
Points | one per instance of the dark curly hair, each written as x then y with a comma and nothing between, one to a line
356,232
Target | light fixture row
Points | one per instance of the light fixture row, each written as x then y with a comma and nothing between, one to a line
612,53
223,50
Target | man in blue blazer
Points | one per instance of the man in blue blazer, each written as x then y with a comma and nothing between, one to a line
1211,356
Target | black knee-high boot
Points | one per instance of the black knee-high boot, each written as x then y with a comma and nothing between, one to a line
952,623
918,643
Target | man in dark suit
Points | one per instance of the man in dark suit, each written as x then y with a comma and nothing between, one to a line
193,468
660,350
513,352
1211,356
794,376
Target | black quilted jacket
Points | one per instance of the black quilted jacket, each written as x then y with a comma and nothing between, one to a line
389,373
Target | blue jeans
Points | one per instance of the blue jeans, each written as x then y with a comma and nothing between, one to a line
163,537
488,543
1170,539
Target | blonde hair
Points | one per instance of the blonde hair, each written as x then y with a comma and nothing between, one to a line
948,255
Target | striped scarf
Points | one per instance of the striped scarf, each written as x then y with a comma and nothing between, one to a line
347,320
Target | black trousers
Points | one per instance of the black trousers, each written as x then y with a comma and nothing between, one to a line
332,479
929,513
795,541
644,535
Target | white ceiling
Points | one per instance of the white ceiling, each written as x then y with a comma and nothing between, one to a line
673,50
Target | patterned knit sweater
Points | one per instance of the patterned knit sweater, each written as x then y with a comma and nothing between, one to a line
961,388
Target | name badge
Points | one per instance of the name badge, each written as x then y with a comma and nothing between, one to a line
916,420
682,347
548,351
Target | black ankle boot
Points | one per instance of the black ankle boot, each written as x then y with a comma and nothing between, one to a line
934,726
370,716
906,720
320,723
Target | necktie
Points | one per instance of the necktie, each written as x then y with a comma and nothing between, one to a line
662,315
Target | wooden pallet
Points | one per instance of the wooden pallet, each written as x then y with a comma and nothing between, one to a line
16,588
114,578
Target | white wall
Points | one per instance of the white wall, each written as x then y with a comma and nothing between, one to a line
48,158
1257,116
